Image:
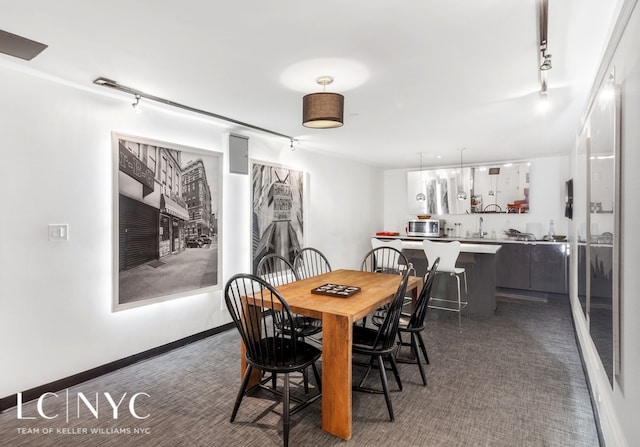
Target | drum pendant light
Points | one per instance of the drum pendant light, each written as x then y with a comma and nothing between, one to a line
323,110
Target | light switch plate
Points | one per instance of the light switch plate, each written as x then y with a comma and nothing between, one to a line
58,232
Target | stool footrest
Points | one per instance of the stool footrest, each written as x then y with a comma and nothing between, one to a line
442,304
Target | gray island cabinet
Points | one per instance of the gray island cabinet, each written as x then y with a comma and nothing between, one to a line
534,266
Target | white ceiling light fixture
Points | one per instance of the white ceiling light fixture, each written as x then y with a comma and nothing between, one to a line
608,92
301,76
543,100
323,110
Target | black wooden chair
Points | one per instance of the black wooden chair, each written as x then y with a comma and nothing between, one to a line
277,271
492,208
384,259
379,344
414,323
310,262
252,303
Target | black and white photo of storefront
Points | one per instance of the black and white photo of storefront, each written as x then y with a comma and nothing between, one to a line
167,212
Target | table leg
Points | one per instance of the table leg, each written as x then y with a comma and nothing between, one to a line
337,337
256,374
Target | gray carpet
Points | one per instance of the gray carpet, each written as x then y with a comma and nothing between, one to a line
513,379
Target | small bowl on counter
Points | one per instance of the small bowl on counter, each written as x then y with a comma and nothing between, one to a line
555,238
525,237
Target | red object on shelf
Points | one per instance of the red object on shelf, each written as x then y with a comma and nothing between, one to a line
387,233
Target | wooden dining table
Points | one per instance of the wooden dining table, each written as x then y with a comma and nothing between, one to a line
338,315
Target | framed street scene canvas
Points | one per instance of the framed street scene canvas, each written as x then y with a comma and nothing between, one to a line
277,224
167,202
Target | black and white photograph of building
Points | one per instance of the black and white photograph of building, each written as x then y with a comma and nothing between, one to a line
277,213
167,233
438,196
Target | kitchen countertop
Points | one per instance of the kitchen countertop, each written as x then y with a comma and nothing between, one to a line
465,247
478,241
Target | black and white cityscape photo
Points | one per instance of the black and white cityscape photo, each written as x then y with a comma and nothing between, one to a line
167,213
277,218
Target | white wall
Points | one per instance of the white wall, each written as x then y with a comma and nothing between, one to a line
619,406
55,297
548,177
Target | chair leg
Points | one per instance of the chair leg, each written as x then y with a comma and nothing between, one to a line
414,345
243,387
385,388
400,342
366,374
422,347
317,376
466,287
285,410
459,305
394,367
305,379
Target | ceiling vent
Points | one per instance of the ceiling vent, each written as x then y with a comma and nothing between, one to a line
18,46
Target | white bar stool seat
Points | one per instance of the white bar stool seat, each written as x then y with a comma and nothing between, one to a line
448,253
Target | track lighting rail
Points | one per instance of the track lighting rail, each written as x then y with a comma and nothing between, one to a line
105,82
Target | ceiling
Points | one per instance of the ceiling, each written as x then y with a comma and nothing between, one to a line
418,76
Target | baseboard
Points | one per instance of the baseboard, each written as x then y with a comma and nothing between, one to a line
607,424
594,404
524,295
67,382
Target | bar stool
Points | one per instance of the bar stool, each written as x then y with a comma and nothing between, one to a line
393,243
448,253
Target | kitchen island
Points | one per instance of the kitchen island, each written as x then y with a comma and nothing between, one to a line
479,262
532,269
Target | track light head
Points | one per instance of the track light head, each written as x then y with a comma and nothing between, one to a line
546,63
136,105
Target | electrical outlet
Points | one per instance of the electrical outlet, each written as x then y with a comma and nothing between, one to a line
58,232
